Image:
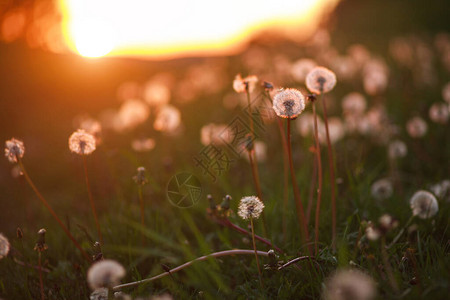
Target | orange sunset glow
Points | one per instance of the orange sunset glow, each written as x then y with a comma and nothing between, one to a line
181,28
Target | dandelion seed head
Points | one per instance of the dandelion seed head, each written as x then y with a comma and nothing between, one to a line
289,103
354,104
305,124
260,151
168,119
131,113
441,189
250,207
140,177
240,84
14,149
143,144
359,53
416,127
382,189
424,204
156,93
336,130
40,244
387,222
372,233
81,142
439,113
4,246
345,67
301,68
105,274
397,149
217,134
320,80
349,284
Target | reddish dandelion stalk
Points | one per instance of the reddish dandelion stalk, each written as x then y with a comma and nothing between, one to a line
312,187
253,162
91,200
52,212
320,81
298,201
332,176
319,190
41,282
285,172
189,263
256,253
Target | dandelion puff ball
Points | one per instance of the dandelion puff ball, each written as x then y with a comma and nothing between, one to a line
81,142
288,103
349,284
382,189
240,84
416,127
424,204
397,149
439,113
250,207
4,246
14,149
354,104
104,274
320,80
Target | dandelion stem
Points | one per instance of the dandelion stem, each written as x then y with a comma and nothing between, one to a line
319,190
91,200
332,176
201,258
24,264
141,201
227,223
298,202
285,172
253,163
258,186
41,282
52,212
312,187
397,237
256,253
296,260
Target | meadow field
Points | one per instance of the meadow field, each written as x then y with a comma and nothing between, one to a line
318,170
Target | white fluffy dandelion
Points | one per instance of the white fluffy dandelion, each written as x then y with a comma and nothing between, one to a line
416,127
320,80
82,143
397,149
354,104
168,119
439,113
301,68
424,204
250,207
14,149
372,233
240,84
288,103
349,284
106,273
4,246
382,189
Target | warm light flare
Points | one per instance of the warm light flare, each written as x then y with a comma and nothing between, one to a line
172,28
